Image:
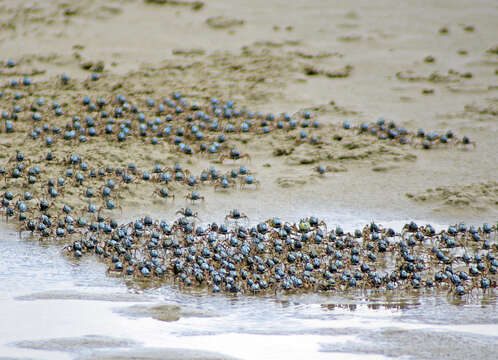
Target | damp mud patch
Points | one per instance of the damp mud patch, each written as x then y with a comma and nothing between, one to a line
346,150
396,343
223,22
434,77
287,182
71,344
163,312
188,52
493,50
67,295
384,168
158,354
490,110
478,196
349,38
30,17
310,70
194,5
307,332
450,315
470,89
255,75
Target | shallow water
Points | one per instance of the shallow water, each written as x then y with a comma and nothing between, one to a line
54,308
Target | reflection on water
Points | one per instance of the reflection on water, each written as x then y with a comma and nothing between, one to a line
53,308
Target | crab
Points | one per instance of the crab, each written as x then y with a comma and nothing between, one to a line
249,180
193,196
234,155
224,183
187,212
164,193
465,141
235,215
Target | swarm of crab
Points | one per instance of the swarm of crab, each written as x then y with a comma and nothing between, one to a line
55,193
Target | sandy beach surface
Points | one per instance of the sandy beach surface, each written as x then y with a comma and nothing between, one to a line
281,57
424,65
